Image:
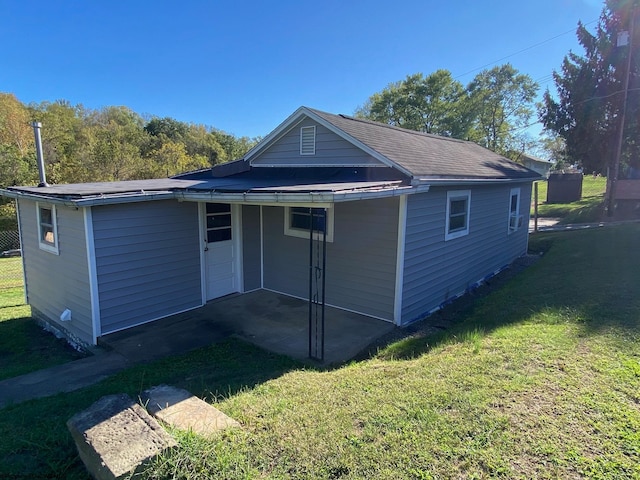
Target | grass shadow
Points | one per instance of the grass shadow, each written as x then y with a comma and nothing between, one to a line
587,278
40,446
26,347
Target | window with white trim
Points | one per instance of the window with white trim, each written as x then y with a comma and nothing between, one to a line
298,221
308,140
515,219
47,228
458,209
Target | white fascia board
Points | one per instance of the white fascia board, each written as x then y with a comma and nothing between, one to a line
90,201
470,181
299,199
8,193
306,165
114,199
323,199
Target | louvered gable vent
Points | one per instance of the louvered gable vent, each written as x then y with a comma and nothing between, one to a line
308,140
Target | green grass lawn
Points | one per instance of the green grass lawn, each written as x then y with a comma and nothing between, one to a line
538,379
24,346
11,272
588,209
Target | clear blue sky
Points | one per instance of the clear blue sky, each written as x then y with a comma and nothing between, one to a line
244,66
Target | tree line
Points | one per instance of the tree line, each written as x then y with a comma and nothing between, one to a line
493,110
106,144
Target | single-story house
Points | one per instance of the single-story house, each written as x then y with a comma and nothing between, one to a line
407,221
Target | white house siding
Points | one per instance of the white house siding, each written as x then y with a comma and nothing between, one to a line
147,261
58,282
251,247
361,261
331,149
436,270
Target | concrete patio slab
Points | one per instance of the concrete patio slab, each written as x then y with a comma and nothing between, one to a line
272,321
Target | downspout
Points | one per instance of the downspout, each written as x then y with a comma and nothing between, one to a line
40,158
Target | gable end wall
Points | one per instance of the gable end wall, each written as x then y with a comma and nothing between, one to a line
331,150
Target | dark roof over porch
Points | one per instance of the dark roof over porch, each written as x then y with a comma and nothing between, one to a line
259,185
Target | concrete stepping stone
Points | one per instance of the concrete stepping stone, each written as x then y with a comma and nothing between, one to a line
180,409
115,436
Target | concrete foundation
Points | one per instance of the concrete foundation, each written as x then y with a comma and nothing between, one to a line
115,436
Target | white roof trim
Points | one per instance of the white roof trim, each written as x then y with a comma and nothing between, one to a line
299,198
306,165
470,181
258,198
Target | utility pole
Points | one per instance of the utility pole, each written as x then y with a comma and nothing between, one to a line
615,170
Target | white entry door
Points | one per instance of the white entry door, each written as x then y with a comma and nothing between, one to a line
220,251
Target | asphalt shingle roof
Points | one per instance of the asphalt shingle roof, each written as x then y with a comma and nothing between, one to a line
429,156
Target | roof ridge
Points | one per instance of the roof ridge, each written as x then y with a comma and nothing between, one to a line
391,127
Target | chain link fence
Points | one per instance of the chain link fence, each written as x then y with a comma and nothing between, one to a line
9,240
10,261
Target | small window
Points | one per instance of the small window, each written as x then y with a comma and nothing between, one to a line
458,208
299,220
218,222
47,228
308,140
515,219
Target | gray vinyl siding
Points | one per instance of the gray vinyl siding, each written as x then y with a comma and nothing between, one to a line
331,149
58,282
147,261
361,261
251,247
436,270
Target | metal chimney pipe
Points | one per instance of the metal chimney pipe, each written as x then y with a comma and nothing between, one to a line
36,133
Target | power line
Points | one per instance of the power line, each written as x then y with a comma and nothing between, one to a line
521,51
515,129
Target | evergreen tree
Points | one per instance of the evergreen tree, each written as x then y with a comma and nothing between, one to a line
590,93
